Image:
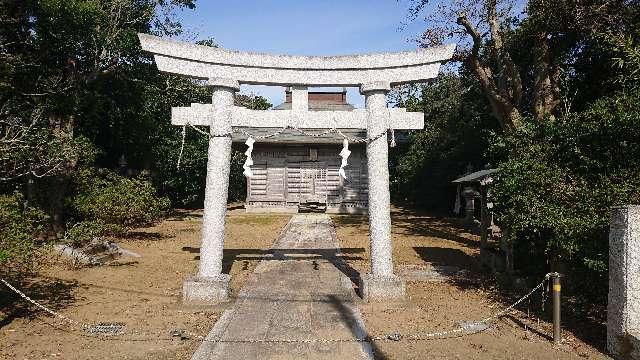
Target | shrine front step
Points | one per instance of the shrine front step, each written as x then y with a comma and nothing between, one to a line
312,207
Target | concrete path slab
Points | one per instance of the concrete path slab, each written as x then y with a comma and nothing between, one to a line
300,294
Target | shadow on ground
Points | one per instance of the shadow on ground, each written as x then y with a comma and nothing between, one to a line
184,214
144,236
54,294
434,228
445,256
346,314
588,329
414,224
337,257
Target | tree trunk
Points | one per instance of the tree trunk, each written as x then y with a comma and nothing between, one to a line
502,108
56,187
504,88
56,192
546,91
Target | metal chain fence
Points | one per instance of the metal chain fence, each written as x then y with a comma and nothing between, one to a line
116,330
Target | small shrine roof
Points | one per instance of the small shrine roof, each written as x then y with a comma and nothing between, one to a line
475,177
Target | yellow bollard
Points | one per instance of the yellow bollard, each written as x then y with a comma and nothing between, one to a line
555,281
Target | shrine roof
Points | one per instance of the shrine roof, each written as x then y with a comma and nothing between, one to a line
321,101
319,106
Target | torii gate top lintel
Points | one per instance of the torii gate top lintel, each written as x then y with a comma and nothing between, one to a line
206,62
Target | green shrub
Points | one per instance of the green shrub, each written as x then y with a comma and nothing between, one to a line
108,198
84,231
237,180
20,227
558,182
184,186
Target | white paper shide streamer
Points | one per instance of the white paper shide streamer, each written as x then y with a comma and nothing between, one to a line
344,154
248,162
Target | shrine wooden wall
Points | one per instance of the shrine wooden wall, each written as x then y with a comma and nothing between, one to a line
287,175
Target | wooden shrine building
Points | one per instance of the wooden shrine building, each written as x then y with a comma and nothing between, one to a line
292,171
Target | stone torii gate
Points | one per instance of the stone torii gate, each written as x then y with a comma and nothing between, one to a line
225,70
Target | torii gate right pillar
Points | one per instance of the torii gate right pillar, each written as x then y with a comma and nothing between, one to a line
381,284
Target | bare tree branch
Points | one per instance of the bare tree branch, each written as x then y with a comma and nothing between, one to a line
495,87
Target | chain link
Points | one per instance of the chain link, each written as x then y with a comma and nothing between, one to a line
46,309
484,321
116,330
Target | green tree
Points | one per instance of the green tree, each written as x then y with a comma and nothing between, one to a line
185,185
558,180
72,71
457,128
561,78
521,58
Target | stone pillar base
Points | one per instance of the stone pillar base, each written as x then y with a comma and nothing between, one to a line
212,290
382,288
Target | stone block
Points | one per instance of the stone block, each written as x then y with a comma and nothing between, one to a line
210,290
623,309
634,338
382,288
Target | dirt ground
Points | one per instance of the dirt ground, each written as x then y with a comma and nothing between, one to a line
419,240
145,295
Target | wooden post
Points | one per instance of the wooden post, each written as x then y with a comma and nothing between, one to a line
484,218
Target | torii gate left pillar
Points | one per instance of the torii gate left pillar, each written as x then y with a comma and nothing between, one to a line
210,285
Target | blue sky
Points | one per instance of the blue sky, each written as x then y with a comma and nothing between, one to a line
303,27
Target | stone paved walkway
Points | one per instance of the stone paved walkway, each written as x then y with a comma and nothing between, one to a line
299,294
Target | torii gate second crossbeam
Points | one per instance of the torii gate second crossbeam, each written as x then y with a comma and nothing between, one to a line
225,70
